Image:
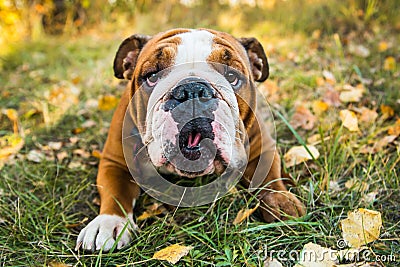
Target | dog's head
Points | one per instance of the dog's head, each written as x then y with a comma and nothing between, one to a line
193,96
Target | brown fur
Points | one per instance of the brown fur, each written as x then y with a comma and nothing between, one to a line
114,181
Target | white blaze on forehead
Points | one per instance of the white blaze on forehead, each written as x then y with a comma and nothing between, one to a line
195,46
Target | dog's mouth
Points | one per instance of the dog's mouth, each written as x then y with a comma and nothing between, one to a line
191,138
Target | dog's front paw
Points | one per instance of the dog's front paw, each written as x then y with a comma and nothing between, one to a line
280,205
104,231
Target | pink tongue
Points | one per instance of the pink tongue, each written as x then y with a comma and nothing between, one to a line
194,142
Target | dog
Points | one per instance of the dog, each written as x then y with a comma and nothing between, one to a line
189,110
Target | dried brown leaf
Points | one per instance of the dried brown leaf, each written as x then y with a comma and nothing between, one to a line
303,118
172,253
361,227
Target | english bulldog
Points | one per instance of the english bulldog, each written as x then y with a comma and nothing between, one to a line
189,111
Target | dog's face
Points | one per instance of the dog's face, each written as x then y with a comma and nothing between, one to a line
193,96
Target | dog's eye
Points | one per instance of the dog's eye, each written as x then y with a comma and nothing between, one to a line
152,79
232,78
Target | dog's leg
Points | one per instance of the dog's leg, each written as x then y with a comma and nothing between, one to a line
277,202
117,193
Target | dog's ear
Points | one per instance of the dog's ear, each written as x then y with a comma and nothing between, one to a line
257,57
127,54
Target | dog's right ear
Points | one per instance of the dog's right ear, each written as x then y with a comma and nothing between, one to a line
127,54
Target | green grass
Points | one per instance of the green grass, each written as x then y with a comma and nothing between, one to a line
43,205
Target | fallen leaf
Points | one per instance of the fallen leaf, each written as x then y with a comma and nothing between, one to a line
319,107
9,146
320,81
383,46
12,115
350,93
332,98
107,102
361,227
314,255
151,211
270,262
389,64
75,165
91,103
96,153
35,156
244,214
368,116
349,120
329,77
387,112
359,50
74,140
299,154
172,253
55,145
395,128
81,153
78,130
88,124
383,142
303,118
62,155
370,197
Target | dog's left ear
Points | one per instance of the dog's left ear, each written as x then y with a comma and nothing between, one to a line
127,54
257,57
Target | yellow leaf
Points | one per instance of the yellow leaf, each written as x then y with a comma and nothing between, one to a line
9,145
395,128
107,102
314,255
96,153
244,214
172,253
319,107
11,113
299,154
361,227
151,211
389,64
350,93
383,46
387,111
349,120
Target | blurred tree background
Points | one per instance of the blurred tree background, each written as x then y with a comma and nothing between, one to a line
22,20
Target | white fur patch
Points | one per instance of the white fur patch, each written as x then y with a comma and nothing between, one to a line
195,46
104,230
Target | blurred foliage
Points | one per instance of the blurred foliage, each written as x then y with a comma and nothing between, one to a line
31,19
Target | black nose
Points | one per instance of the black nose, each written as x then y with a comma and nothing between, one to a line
190,88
